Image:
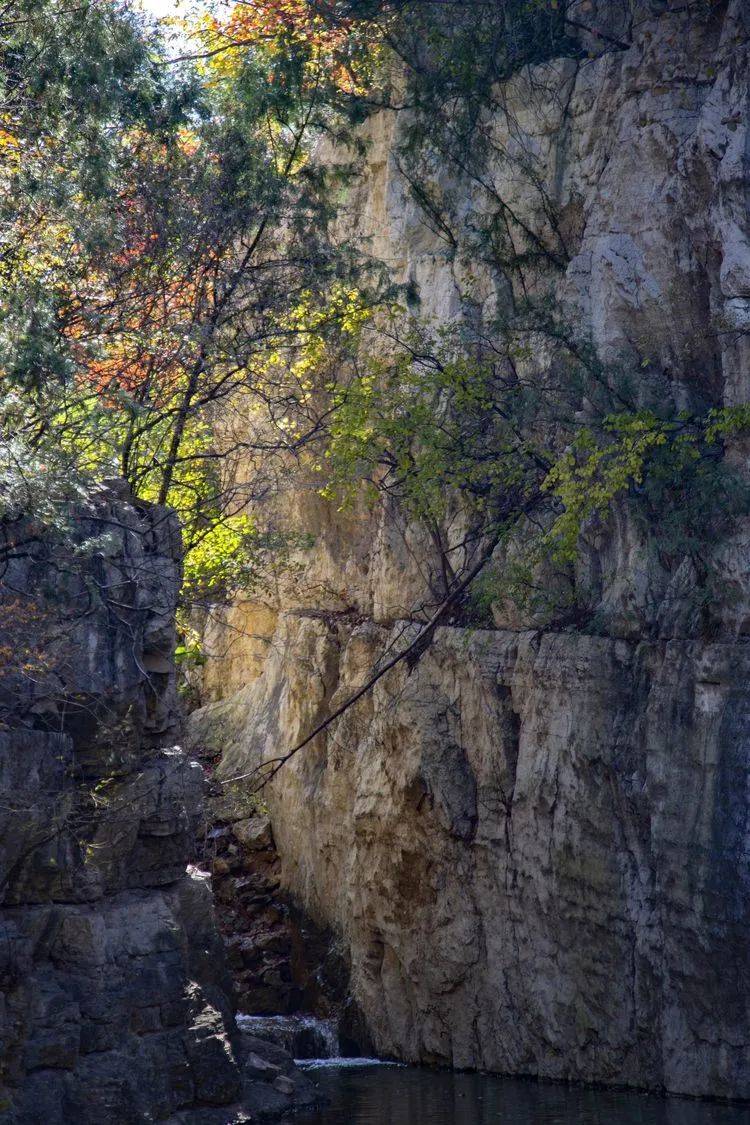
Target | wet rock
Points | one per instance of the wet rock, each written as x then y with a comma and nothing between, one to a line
256,1067
273,1084
280,961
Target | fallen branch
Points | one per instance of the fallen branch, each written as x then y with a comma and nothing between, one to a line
411,653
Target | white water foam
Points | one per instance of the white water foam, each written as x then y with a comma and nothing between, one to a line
340,1063
318,1039
302,1035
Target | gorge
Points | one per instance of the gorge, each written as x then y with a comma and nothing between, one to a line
375,576
533,845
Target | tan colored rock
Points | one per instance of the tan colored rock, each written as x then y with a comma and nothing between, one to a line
255,833
643,155
535,845
535,848
235,640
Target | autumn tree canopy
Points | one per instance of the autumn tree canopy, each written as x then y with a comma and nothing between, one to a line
180,306
166,240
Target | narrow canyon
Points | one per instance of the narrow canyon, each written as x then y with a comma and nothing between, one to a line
375,562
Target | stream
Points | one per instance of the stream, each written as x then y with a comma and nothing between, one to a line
373,1092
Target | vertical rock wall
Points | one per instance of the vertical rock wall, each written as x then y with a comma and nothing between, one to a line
115,1001
535,846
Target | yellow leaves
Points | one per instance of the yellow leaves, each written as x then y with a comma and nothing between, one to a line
10,150
11,145
216,558
587,477
36,248
188,141
338,51
345,306
309,325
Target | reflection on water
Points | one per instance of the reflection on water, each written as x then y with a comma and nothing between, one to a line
401,1095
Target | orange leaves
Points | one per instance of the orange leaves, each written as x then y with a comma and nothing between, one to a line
142,343
266,20
188,142
118,372
131,331
338,50
9,145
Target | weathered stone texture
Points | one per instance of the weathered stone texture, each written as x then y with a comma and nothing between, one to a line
535,846
642,154
115,1005
115,1001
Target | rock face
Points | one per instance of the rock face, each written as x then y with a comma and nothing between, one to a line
280,962
115,1001
534,847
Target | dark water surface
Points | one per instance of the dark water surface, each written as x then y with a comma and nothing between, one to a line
402,1095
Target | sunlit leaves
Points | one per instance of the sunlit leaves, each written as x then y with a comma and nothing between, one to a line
306,44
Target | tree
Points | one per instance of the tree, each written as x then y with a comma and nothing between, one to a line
157,293
180,311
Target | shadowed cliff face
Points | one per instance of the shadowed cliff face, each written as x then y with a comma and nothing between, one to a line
529,847
535,846
116,1005
115,1001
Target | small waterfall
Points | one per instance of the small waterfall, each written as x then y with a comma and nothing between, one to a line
305,1037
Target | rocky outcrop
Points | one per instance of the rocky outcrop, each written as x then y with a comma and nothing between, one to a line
535,844
281,963
115,1001
535,847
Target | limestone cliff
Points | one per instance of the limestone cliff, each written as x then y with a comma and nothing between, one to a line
535,846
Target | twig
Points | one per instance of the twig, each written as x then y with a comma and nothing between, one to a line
414,650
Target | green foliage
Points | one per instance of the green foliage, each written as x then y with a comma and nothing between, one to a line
459,51
588,477
672,468
167,249
76,82
470,442
426,424
727,422
189,653
175,310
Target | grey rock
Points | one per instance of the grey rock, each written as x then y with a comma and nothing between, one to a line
115,1001
256,1067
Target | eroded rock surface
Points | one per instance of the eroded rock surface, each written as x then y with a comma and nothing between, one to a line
115,1001
535,848
535,845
